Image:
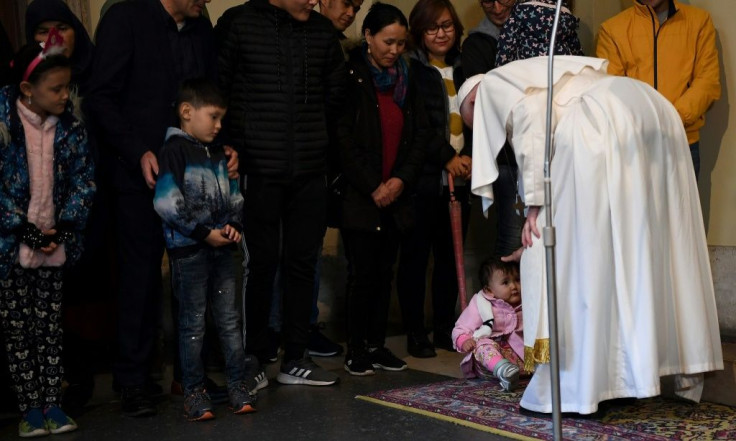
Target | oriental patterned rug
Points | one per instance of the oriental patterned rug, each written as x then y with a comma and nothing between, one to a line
484,406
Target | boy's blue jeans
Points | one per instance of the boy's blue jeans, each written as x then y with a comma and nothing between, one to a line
204,278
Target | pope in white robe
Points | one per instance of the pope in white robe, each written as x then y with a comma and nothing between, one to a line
634,287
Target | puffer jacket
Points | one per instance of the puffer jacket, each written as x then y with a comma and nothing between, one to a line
678,57
285,81
361,150
73,183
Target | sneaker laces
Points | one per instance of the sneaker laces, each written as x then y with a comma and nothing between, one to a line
242,391
197,397
305,362
382,352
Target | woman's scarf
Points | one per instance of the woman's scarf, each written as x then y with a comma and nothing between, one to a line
394,76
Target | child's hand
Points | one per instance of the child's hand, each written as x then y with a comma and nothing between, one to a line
217,238
469,345
231,233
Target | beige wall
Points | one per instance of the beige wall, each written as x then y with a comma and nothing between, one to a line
718,138
718,155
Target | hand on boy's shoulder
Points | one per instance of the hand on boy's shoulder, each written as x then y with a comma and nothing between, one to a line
149,168
232,162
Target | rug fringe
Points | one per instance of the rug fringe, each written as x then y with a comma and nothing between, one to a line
447,418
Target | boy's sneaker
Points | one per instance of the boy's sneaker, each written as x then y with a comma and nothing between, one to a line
255,376
358,363
57,421
382,358
32,424
217,393
321,346
507,373
197,406
305,371
241,401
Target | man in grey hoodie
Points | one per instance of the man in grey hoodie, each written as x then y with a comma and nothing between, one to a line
479,49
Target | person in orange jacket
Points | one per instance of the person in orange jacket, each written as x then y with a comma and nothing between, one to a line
672,47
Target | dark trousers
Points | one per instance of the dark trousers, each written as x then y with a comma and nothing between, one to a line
371,256
510,217
30,315
140,250
695,153
432,233
299,207
89,294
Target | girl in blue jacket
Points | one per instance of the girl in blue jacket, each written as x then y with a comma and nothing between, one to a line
46,189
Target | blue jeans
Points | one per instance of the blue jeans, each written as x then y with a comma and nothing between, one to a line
510,222
204,278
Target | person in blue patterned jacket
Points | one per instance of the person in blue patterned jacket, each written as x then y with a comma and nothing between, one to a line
46,189
527,31
201,207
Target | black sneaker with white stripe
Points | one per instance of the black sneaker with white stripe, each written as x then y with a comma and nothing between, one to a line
305,371
255,376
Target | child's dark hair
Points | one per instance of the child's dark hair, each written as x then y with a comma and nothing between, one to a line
201,92
381,15
488,266
26,55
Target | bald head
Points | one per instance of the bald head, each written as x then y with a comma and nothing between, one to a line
466,95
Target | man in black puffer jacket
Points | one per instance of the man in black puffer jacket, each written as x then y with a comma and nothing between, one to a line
282,67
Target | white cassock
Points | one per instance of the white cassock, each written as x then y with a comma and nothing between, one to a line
634,287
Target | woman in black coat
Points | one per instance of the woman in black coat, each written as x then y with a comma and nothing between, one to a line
382,134
435,62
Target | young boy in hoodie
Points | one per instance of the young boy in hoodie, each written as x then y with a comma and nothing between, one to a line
201,212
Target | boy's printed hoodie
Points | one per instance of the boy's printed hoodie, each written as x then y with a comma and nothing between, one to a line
193,192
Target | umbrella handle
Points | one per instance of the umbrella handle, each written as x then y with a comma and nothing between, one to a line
451,183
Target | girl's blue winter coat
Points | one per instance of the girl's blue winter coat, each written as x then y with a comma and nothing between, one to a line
73,179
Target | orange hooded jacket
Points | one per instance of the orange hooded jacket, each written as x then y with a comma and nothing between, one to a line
678,57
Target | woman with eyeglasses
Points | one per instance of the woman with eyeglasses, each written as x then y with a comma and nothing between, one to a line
382,134
435,61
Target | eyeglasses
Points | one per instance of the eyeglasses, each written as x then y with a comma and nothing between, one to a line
447,26
505,3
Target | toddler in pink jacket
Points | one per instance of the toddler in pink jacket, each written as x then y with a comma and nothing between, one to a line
490,329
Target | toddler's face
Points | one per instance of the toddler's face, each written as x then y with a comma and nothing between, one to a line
506,286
